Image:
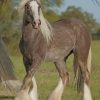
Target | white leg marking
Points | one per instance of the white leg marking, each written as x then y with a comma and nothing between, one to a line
57,93
87,93
33,94
22,95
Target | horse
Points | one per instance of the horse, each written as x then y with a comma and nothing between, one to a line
42,41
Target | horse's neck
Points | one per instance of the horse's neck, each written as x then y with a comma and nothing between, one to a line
28,33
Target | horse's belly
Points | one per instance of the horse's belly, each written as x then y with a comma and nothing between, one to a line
55,54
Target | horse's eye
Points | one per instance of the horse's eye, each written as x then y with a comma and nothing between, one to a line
27,6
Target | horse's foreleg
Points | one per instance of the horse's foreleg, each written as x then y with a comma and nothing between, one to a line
28,91
57,93
23,93
29,86
33,95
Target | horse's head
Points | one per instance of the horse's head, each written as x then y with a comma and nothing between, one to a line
32,11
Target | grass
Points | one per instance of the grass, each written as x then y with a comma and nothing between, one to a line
47,76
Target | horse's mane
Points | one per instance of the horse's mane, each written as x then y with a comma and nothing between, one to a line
45,26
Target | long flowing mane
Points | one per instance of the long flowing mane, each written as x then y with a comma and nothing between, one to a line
45,26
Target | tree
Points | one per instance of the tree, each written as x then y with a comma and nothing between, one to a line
98,32
8,16
5,16
51,16
49,3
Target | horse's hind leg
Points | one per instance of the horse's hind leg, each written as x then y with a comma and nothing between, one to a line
57,93
84,60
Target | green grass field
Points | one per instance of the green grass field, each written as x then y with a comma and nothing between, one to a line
47,76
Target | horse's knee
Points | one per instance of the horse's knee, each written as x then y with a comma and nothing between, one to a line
86,76
64,77
61,67
27,82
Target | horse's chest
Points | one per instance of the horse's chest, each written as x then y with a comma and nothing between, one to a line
25,47
33,47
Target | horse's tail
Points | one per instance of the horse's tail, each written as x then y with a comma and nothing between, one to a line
78,72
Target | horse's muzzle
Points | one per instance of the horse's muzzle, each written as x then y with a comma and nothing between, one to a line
36,23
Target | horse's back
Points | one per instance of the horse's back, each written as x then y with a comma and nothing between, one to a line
73,29
72,24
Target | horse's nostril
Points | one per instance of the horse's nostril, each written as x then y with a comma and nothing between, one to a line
34,23
39,22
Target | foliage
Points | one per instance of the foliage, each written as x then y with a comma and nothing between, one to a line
5,15
47,3
98,32
8,30
51,16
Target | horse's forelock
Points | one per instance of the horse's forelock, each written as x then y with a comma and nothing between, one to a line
22,5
